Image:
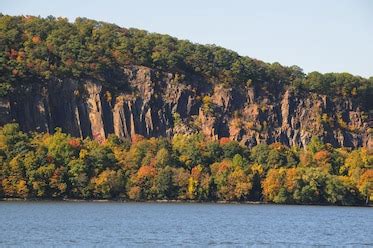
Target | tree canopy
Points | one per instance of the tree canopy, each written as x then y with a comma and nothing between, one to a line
186,167
34,49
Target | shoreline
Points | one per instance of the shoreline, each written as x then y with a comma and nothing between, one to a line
172,201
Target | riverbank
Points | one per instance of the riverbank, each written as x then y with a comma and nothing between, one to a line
172,201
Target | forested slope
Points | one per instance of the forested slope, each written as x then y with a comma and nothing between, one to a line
187,167
92,78
226,127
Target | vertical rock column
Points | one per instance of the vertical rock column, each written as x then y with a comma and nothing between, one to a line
95,113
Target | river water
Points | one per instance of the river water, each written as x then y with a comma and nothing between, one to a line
114,224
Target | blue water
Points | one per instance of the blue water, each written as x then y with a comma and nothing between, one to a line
61,224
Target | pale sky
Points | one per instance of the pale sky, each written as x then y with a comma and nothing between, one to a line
322,35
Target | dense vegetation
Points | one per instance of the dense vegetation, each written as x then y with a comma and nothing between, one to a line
187,167
34,49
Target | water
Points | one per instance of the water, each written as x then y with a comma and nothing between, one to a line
112,224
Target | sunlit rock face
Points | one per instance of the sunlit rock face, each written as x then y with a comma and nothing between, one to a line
157,103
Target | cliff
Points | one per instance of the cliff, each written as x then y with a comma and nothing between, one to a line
158,103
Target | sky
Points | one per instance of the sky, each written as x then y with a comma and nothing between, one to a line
317,35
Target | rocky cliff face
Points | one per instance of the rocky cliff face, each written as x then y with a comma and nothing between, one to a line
162,104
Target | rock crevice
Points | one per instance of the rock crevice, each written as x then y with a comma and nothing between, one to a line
88,109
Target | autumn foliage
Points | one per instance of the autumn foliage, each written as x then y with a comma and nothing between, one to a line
186,167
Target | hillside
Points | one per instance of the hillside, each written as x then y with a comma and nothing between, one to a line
90,110
92,78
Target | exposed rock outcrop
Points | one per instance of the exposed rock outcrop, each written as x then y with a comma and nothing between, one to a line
250,115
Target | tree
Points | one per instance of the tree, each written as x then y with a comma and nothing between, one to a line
190,149
13,141
365,185
272,186
164,183
199,184
108,184
181,181
232,181
339,191
142,184
315,145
